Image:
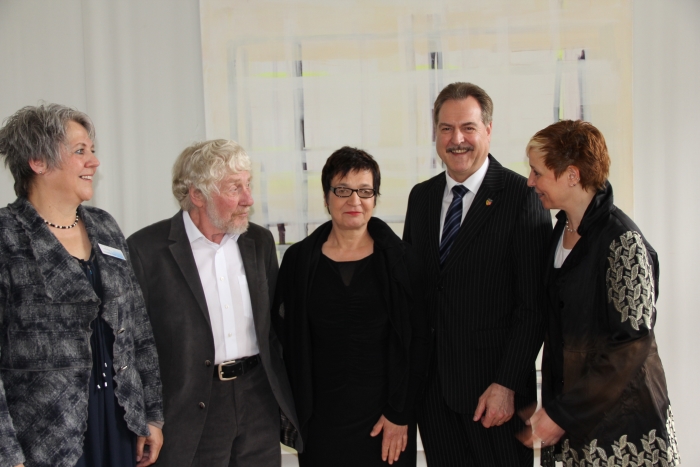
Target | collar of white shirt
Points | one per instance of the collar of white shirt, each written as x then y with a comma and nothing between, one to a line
472,183
194,234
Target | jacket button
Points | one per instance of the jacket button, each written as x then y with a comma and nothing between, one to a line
201,405
561,304
207,362
440,288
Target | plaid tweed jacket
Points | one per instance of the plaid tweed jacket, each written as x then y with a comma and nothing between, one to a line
46,306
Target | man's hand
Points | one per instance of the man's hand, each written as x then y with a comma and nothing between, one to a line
394,440
154,442
496,406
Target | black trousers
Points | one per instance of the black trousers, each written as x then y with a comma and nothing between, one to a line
454,439
243,424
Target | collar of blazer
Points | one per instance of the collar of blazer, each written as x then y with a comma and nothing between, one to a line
485,203
64,280
593,220
182,253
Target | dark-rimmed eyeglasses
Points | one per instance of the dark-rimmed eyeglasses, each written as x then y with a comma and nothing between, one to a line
345,192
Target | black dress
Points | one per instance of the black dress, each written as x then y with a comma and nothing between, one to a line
108,441
350,342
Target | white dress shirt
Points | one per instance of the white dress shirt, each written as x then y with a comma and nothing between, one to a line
472,184
225,285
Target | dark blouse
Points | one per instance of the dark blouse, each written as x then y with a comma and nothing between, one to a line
350,327
395,274
108,442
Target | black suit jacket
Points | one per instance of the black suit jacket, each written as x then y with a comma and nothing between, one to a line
485,305
166,269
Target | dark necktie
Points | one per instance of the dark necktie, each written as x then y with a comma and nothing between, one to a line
453,219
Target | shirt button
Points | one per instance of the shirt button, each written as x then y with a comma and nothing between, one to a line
221,278
201,405
229,334
226,307
207,362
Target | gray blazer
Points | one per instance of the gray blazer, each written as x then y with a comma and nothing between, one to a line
46,306
166,269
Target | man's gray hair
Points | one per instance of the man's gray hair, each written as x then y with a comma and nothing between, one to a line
37,134
204,165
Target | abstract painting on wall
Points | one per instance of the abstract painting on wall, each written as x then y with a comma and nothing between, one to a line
294,80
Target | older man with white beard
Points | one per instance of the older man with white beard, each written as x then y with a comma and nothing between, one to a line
207,276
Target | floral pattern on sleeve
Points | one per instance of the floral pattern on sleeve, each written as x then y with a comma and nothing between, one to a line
630,281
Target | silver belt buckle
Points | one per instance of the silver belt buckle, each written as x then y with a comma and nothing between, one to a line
221,373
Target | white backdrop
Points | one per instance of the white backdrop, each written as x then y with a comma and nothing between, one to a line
135,67
666,169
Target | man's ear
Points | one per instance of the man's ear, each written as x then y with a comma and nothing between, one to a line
197,197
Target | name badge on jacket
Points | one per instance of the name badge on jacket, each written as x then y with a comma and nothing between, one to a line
109,251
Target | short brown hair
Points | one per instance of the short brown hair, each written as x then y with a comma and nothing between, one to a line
458,91
577,143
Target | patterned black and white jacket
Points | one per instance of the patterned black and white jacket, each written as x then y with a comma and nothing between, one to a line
603,381
46,306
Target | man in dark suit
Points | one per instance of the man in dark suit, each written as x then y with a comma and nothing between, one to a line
208,276
482,233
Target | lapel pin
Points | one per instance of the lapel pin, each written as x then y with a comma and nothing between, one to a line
489,202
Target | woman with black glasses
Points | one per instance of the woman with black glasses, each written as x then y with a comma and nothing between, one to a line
352,325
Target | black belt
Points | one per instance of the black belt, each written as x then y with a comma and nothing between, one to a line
232,369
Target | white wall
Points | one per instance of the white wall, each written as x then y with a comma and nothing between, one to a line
667,183
135,68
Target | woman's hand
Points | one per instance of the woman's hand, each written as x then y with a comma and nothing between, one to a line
154,442
394,440
541,427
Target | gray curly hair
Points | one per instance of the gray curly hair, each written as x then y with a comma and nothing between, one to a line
204,165
37,134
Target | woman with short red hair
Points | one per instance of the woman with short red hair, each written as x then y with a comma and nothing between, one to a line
604,397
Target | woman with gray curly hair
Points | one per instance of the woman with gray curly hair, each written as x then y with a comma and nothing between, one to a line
79,378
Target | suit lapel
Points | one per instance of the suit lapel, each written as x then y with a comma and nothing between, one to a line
114,272
247,248
182,253
435,196
484,204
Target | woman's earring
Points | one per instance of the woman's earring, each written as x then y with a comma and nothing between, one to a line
573,178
